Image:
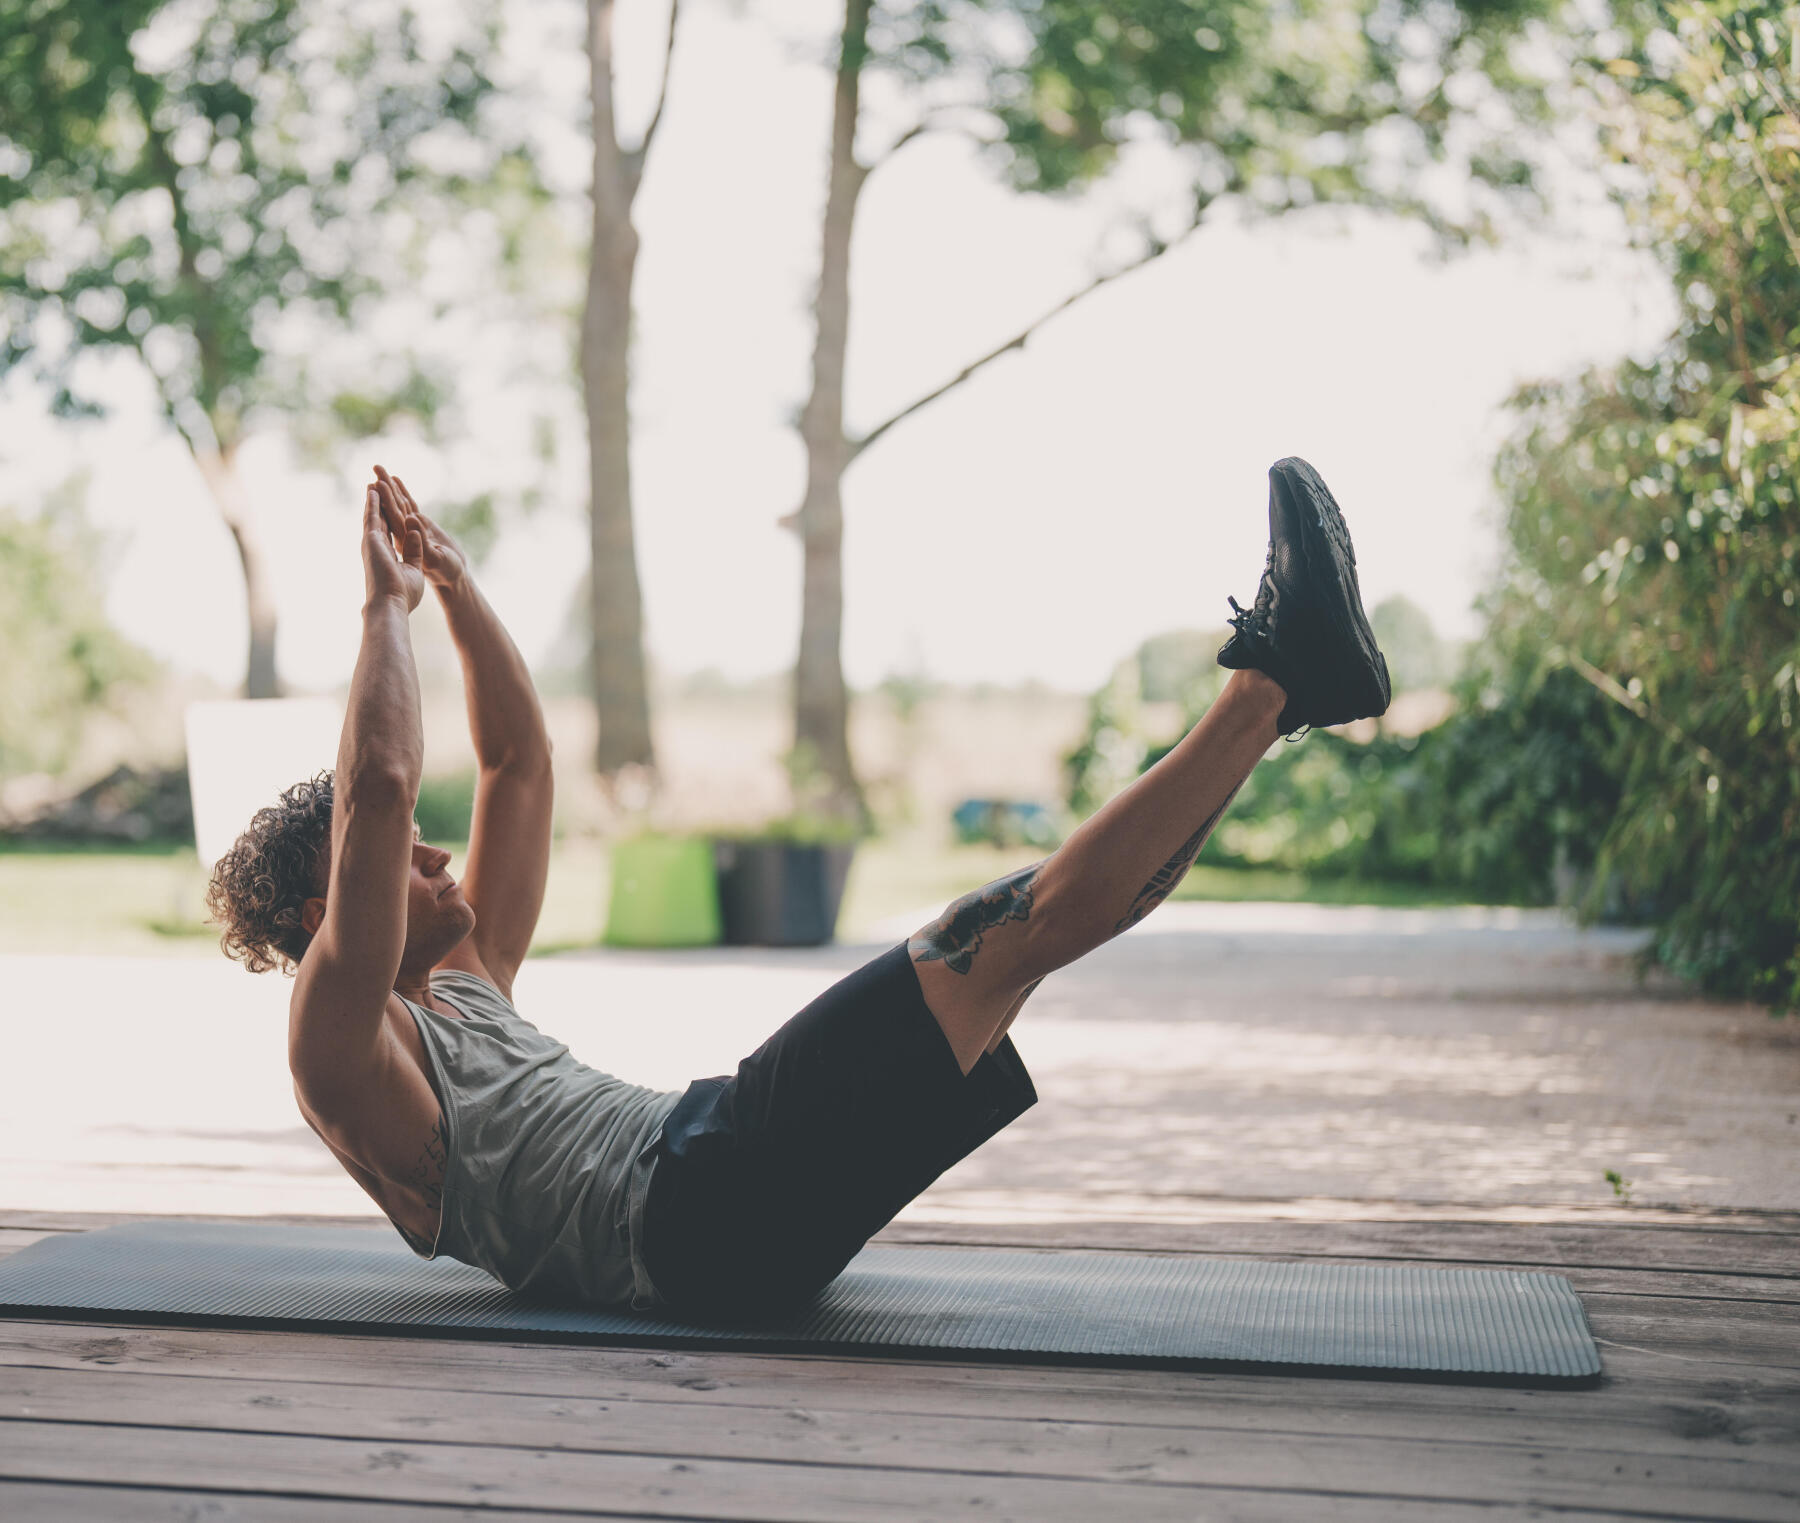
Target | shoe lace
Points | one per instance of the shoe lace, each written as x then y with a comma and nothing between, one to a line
1255,619
1248,621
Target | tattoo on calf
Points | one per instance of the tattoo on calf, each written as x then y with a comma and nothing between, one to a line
955,937
1163,880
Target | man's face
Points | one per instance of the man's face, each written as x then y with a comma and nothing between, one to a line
437,915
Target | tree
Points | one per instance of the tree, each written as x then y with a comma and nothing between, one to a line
1653,511
1323,101
1416,657
621,690
62,658
190,185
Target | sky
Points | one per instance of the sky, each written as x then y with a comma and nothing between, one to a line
1104,485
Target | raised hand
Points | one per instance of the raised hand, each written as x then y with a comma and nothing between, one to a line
443,561
393,552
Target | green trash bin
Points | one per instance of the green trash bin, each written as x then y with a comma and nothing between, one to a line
665,893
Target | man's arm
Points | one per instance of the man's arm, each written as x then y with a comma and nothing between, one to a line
509,838
347,975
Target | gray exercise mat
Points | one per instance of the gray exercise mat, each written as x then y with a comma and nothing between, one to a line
1479,1324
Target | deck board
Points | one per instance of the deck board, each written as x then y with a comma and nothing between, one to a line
679,1478
29,1502
1697,1416
1555,1460
1648,1399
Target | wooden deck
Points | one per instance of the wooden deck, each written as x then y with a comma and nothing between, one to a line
1698,1416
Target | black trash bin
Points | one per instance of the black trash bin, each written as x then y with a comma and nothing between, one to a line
780,893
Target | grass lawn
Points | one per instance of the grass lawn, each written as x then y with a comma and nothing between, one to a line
118,901
147,901
150,900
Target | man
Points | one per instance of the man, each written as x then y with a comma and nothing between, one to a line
485,1140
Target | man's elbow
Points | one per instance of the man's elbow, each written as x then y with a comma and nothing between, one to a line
527,761
380,785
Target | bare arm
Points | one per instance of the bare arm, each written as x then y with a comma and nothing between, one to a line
348,972
509,839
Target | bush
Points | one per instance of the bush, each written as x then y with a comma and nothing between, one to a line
446,806
63,659
129,805
1654,516
1509,800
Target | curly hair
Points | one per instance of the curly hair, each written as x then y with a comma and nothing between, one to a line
259,887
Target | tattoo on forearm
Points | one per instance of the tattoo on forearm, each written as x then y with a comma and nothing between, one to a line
955,937
1163,880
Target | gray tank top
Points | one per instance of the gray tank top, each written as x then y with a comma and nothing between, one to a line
549,1160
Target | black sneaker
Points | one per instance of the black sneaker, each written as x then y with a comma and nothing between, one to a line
1307,628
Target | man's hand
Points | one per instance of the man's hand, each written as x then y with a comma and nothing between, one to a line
444,564
393,553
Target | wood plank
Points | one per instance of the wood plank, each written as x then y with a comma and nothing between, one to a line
678,1482
1651,1405
1747,1333
44,1502
632,1374
28,1502
1182,1448
1739,1248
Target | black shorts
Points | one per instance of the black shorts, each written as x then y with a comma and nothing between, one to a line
769,1182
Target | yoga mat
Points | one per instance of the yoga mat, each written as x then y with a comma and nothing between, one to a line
1012,1304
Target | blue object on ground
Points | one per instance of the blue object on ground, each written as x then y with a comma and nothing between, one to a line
1005,822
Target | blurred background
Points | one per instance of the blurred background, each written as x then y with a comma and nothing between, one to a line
859,413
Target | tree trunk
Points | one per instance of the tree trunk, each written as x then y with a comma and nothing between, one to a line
219,468
821,699
621,692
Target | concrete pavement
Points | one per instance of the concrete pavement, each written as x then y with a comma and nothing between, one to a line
1218,1060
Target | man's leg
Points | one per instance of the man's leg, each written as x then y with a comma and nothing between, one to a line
979,961
1303,656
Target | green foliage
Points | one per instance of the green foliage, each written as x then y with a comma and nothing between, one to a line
446,806
474,522
1506,801
1111,750
1518,787
1652,510
1178,666
183,182
821,814
1331,808
1181,666
798,829
1283,107
1416,657
62,658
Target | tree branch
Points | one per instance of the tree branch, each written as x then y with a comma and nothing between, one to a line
934,122
636,158
1019,339
918,129
1623,697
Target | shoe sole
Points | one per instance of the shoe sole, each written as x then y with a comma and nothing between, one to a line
1325,539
